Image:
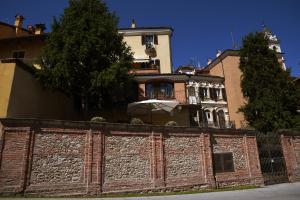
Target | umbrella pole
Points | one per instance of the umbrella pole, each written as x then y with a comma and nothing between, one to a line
150,114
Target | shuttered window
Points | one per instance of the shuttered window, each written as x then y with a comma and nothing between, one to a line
224,94
155,39
191,91
223,162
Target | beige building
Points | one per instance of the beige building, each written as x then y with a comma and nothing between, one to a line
151,47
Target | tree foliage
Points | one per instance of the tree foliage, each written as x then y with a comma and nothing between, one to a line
269,90
85,57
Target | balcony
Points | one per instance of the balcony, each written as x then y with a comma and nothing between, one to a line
161,95
145,66
210,124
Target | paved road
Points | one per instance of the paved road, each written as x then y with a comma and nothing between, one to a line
274,192
287,191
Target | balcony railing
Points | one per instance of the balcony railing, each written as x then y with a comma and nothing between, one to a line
178,95
160,95
198,100
209,124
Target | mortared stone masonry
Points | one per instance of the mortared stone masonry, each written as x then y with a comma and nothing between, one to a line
69,158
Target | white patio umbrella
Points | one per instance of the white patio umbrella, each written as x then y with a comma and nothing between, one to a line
151,105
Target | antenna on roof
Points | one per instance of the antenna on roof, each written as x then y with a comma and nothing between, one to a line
234,45
263,24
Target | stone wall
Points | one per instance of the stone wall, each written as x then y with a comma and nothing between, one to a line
291,150
245,156
59,157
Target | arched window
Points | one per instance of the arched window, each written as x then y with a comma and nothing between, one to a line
221,117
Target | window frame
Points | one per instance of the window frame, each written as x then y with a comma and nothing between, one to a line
150,43
220,162
205,93
18,51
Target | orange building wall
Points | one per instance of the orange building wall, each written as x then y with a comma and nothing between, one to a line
180,94
235,98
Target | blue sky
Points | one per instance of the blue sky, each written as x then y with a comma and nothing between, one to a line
201,27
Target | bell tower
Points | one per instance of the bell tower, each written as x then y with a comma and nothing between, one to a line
274,43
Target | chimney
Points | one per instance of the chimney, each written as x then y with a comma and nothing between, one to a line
209,61
219,52
39,29
18,23
30,28
133,24
19,20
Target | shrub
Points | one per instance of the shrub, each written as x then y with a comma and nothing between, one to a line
171,123
98,119
136,121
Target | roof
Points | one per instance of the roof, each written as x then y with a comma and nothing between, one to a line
25,37
227,52
224,54
146,30
13,26
177,77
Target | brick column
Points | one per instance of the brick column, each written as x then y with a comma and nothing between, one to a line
157,161
26,150
88,160
101,161
246,150
288,154
1,142
208,148
30,156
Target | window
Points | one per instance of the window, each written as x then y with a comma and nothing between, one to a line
18,54
207,113
149,40
224,94
191,91
223,162
205,93
159,90
218,92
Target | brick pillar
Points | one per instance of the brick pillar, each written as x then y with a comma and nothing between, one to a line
101,161
246,150
1,142
30,155
26,155
88,160
208,148
157,161
289,155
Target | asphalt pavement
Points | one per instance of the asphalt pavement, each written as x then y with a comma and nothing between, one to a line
286,191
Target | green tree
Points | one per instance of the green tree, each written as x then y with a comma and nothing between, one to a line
269,90
85,57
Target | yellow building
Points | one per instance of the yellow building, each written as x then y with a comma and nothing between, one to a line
151,47
21,95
